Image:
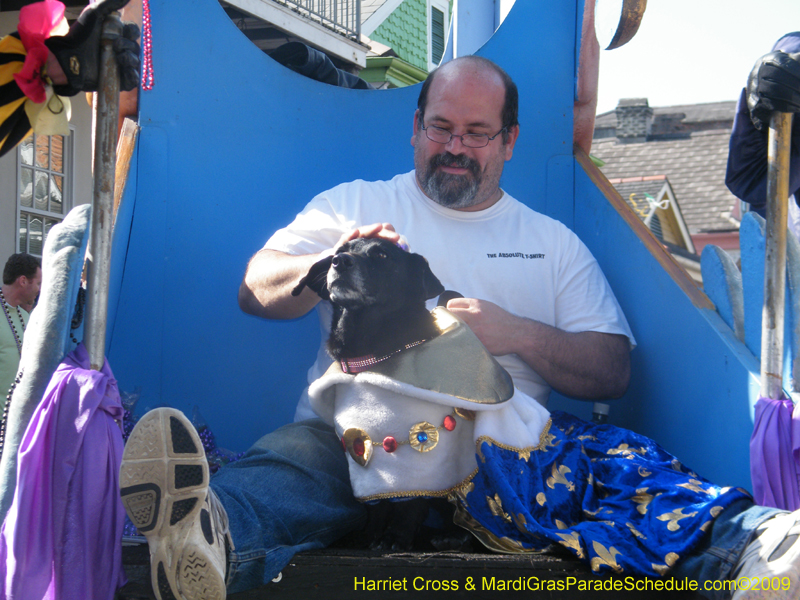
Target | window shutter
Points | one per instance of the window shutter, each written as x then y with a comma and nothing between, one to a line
437,35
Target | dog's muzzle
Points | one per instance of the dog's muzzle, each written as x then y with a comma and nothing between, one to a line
342,262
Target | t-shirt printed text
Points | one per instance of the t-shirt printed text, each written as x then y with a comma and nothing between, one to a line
514,255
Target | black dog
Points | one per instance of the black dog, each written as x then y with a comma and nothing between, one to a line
378,292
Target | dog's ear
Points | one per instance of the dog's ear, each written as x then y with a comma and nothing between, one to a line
431,286
316,279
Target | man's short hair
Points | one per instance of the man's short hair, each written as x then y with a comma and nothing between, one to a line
510,112
19,265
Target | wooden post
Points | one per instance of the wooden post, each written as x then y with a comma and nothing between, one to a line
772,323
105,153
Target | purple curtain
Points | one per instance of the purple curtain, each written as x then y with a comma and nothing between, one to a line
774,454
62,536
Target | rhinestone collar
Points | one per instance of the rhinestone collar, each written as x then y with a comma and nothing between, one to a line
363,363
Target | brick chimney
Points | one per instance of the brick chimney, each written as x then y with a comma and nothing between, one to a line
634,119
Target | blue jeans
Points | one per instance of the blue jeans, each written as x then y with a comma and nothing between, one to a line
291,492
719,551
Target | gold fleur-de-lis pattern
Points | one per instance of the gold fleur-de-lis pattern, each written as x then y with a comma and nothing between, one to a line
625,451
548,440
673,518
593,514
559,476
635,531
573,542
605,556
612,498
694,485
642,500
669,561
521,522
496,507
525,454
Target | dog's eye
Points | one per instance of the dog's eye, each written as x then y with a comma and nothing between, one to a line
379,254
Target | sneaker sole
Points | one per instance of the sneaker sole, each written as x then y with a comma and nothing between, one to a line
776,570
163,484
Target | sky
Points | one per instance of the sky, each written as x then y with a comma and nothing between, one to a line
693,51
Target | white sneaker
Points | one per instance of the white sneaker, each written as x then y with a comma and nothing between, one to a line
769,567
164,488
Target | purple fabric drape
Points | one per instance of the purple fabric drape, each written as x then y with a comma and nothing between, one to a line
775,454
62,536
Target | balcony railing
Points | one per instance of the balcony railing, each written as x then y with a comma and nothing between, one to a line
342,16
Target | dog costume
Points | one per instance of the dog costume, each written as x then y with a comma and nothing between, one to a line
442,419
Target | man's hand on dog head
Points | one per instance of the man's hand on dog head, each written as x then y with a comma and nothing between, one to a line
315,278
376,230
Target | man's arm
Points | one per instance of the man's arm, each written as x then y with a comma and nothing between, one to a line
773,85
266,290
587,365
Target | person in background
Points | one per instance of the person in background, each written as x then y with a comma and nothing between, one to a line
773,85
22,278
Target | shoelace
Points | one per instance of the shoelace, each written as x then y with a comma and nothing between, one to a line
219,517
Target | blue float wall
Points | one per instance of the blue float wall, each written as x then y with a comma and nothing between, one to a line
233,145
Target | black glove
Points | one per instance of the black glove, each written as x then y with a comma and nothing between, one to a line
78,52
773,86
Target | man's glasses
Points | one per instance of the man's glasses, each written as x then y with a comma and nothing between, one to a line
470,140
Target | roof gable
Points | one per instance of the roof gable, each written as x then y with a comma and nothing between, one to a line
654,201
694,160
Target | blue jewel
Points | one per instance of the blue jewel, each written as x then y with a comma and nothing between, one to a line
422,437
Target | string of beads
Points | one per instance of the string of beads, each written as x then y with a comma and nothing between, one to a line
147,48
4,422
7,311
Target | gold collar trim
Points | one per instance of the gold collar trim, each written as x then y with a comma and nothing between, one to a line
422,493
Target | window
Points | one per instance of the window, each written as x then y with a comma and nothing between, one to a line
42,192
655,227
437,35
438,15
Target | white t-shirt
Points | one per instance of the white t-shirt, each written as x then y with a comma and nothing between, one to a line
523,261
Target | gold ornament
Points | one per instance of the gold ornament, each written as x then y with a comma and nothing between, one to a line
423,437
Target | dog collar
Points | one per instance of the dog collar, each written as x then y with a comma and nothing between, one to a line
363,363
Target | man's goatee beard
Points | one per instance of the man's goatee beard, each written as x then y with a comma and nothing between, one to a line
452,191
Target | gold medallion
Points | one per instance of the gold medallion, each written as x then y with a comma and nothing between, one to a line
423,437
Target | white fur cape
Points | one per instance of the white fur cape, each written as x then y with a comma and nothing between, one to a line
381,405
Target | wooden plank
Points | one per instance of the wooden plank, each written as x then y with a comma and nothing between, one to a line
125,145
349,573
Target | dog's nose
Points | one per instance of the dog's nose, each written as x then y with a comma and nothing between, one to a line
342,261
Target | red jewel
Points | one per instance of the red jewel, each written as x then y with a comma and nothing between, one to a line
449,423
358,446
389,444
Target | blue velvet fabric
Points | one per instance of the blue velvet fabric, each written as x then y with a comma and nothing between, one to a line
615,499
